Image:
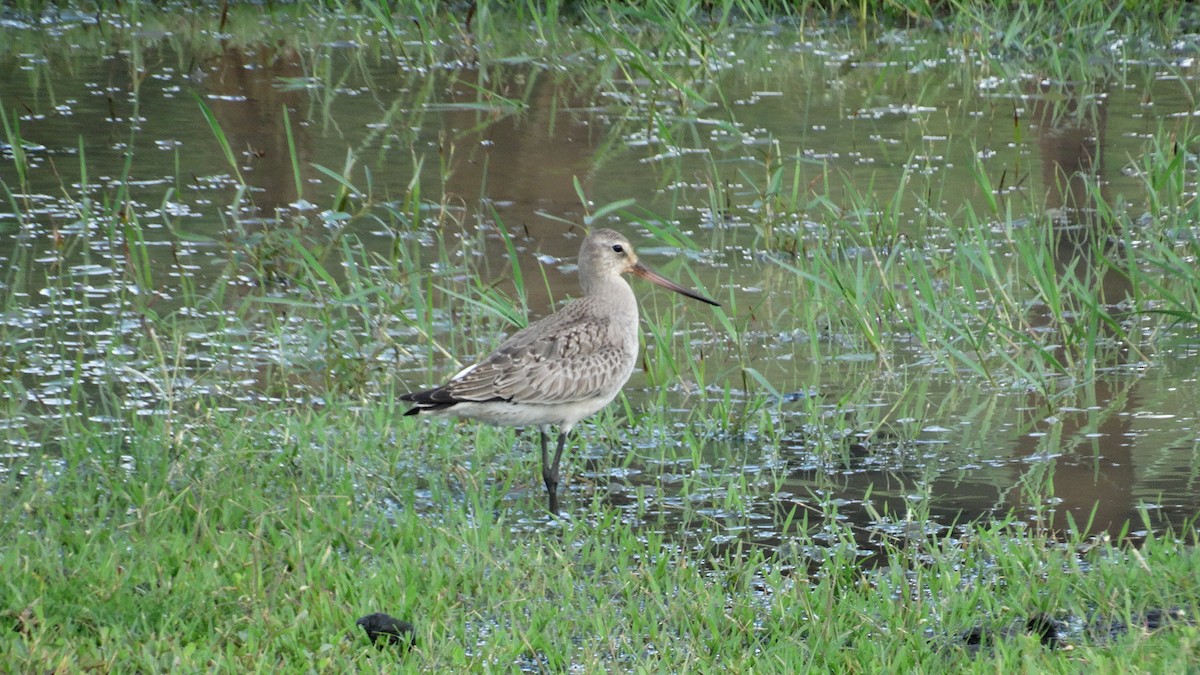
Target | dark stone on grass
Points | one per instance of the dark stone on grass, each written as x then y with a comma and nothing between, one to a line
1104,628
1053,633
1048,630
975,637
1156,619
382,627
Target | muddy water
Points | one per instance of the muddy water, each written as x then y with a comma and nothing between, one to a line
502,144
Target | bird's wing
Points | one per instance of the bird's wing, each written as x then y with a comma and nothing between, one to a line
566,357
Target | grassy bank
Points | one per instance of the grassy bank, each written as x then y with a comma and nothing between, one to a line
253,545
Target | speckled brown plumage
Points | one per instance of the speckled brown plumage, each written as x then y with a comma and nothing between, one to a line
562,368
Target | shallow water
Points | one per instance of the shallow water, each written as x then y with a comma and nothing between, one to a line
500,144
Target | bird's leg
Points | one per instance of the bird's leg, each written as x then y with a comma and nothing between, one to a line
553,473
548,476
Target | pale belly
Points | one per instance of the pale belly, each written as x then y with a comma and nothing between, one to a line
528,414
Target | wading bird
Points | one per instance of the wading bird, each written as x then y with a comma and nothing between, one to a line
564,367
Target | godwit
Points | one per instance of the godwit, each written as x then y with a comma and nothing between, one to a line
563,368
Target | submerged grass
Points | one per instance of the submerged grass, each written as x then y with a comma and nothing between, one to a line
1003,288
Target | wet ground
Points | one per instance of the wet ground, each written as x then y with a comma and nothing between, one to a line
115,152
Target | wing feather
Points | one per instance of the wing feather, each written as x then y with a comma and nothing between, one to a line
570,356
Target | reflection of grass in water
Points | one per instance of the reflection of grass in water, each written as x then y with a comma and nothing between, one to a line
1067,41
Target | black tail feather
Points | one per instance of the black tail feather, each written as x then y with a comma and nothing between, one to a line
432,400
428,400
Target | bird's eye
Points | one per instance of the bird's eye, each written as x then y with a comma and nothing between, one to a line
618,248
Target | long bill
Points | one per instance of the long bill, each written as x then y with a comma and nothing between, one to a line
656,278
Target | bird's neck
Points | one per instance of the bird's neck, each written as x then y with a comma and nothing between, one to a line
615,291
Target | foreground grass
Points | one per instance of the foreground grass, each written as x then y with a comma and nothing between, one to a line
245,546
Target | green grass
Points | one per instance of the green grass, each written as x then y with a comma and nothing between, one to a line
179,513
242,544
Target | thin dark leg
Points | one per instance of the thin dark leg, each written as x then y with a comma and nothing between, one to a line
548,476
551,477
